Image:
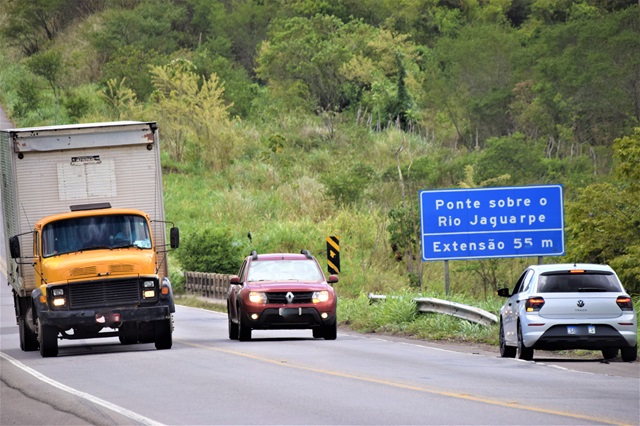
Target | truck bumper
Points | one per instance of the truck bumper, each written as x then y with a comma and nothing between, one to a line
107,317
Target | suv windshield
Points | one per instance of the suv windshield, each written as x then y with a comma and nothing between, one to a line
95,232
570,282
284,270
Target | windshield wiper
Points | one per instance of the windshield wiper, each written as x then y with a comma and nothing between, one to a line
125,245
95,248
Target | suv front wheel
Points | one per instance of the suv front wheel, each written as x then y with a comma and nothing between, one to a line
244,332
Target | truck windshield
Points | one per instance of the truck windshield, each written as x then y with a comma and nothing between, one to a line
95,232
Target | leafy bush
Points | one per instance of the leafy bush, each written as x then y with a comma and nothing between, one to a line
210,250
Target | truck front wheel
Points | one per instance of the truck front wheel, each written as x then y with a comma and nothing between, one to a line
48,340
28,339
164,340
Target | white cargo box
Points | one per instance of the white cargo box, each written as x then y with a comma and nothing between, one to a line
45,170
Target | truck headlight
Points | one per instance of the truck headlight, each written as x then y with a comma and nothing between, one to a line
59,302
148,284
149,294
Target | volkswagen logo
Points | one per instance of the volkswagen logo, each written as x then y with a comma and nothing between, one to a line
580,303
289,297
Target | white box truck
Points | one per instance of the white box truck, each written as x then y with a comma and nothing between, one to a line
84,226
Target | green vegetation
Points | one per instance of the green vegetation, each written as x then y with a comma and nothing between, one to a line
295,120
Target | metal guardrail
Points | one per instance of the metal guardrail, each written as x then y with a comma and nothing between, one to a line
209,285
458,310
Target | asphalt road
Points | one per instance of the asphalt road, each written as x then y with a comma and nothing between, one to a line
287,377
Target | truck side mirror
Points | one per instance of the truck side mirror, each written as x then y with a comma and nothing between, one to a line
14,247
174,237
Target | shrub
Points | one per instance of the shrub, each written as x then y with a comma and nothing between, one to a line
210,250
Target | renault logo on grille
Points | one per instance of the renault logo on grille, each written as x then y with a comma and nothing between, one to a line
289,297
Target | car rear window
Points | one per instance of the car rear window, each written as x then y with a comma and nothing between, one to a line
565,282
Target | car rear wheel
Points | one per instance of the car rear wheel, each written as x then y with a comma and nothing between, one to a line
523,352
629,354
505,351
609,353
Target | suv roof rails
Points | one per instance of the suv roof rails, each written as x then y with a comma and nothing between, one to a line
254,255
306,253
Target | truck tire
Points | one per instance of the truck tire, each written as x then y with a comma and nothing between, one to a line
48,340
28,339
164,339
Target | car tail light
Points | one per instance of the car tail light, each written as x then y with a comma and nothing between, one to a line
534,304
625,303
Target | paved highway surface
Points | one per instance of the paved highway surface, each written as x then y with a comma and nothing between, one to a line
287,377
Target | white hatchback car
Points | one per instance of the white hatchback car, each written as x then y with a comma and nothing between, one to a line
568,306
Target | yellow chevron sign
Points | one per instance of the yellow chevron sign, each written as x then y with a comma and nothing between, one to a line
333,254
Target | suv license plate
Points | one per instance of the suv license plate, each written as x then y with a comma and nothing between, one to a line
572,330
592,329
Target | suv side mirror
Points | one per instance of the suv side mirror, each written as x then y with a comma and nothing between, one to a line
234,279
14,247
174,237
332,279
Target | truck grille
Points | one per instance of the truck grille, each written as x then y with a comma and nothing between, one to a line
281,297
104,293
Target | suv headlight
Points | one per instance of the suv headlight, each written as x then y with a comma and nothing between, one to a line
320,296
257,297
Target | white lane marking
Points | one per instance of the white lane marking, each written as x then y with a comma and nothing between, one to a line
116,408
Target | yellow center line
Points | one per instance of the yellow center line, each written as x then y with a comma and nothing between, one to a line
399,385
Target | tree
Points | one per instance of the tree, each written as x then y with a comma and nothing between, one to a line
49,66
30,23
604,221
586,76
211,249
472,75
194,114
308,51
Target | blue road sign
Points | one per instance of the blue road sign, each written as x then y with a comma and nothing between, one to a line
492,222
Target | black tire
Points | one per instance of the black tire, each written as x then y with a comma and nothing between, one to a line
506,351
522,351
244,332
330,332
317,332
233,329
609,353
48,340
629,354
128,334
28,339
164,338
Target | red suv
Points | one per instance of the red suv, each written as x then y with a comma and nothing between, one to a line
281,291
